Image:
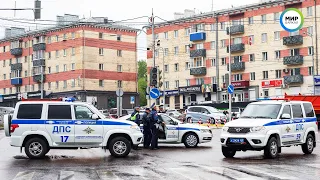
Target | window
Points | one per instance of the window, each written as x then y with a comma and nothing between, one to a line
29,111
166,84
264,37
250,19
156,53
101,51
57,53
64,52
251,37
73,35
213,44
223,78
252,76
166,35
223,61
176,67
237,77
100,83
82,112
101,67
64,36
57,68
265,74
73,51
277,54
264,56
4,76
49,56
237,59
10,61
199,27
119,84
309,30
237,40
295,71
32,88
294,33
308,109
188,82
286,110
199,81
187,49
187,65
49,85
187,31
119,37
166,68
198,62
73,82
57,84
264,19
251,57
213,62
119,68
73,66
214,27
176,50
297,111
100,35
57,38
200,46
294,52
166,51
214,80
119,53
309,11
4,91
223,43
266,93
25,73
277,35
310,50
276,16
49,70
222,25
278,74
4,63
65,84
310,70
64,67
175,33
59,112
18,89
26,58
49,40
10,90
176,83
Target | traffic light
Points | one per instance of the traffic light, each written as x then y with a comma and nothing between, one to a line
154,76
37,9
160,83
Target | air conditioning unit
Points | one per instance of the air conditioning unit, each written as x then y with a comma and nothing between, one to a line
190,45
219,89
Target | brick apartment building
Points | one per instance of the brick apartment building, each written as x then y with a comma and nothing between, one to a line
266,60
85,60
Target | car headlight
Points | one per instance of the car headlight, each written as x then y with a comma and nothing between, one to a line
135,127
205,130
258,128
225,128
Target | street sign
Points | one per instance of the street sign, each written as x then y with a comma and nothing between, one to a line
154,93
132,100
230,89
119,92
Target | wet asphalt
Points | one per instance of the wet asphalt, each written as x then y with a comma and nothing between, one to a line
169,162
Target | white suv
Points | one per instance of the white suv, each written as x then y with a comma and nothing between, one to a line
39,126
270,125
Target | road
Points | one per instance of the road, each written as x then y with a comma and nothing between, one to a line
170,162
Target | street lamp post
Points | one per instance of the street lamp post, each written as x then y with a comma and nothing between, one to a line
314,87
164,88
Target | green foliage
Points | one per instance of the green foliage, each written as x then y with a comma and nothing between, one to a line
142,69
142,81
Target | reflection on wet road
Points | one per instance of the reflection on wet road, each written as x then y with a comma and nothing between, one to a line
170,162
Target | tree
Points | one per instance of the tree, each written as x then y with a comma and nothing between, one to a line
142,69
142,81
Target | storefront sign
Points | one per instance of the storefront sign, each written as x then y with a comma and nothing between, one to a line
240,84
271,83
317,80
190,89
170,93
8,97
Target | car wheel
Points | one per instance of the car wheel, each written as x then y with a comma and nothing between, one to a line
271,150
36,148
191,140
308,146
227,152
119,147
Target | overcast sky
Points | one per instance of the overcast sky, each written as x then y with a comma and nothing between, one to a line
114,10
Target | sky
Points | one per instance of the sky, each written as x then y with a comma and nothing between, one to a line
114,10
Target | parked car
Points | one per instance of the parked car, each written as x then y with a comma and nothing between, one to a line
205,113
177,115
236,111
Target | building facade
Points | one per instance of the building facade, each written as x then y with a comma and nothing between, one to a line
266,60
83,60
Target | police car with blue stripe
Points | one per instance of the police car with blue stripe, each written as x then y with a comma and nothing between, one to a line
39,126
269,125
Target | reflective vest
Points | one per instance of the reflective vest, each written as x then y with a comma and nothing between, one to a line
134,117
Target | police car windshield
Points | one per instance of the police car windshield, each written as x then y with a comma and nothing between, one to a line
263,111
97,111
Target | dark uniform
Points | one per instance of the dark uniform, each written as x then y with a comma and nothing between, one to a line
146,119
154,129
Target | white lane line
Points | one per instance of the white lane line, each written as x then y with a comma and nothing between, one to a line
107,175
24,175
230,173
66,175
277,175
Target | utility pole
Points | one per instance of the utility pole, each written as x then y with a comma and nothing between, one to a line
316,32
153,41
42,82
217,58
230,95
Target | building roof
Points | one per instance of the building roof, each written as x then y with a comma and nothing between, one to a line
230,11
111,26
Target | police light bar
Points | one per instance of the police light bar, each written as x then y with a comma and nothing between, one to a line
279,99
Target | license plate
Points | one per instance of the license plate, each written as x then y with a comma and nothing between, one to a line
233,140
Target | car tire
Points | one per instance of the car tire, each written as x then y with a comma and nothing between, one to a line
191,140
308,146
227,152
122,143
36,148
271,149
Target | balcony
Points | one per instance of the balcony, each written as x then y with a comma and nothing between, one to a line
198,36
39,62
238,66
236,29
293,60
16,81
293,40
198,53
39,46
37,78
236,48
17,66
16,51
295,79
197,71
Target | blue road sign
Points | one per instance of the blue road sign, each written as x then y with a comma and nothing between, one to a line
154,93
132,100
230,89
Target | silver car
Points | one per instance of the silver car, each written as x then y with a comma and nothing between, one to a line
205,113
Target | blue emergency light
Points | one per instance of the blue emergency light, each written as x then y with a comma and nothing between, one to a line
72,99
264,99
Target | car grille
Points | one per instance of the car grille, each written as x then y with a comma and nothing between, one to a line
238,130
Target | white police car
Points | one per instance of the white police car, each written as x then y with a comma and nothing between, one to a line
176,132
39,126
270,125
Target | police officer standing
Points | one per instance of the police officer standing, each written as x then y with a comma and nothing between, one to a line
146,119
135,116
154,128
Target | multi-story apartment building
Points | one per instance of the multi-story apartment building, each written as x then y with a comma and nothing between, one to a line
266,60
85,60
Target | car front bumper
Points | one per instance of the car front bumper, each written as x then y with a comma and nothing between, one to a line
252,141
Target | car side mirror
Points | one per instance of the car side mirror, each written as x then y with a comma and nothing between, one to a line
285,116
95,117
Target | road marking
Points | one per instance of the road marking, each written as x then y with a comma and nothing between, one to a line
107,175
26,175
66,175
253,170
230,173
